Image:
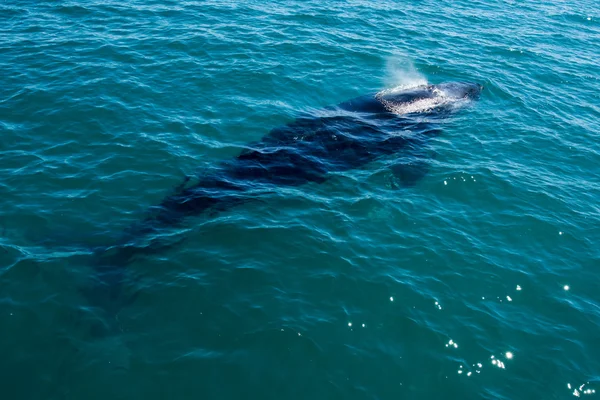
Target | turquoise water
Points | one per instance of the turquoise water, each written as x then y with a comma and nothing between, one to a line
354,288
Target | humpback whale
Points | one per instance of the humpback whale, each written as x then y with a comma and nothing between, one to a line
393,123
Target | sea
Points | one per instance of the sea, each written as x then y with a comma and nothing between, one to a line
480,281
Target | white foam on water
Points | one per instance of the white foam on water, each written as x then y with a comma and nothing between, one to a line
401,75
441,99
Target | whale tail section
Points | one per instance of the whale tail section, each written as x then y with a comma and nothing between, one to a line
112,286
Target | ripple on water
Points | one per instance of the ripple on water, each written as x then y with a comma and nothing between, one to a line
454,288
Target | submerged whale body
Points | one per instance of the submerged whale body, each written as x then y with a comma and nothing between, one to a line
309,149
349,135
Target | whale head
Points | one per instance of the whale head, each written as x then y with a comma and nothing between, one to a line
447,96
458,90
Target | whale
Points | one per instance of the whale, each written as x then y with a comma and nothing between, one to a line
395,124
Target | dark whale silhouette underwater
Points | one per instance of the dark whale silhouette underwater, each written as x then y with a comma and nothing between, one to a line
394,123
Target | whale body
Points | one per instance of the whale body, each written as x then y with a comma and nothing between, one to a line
311,148
308,150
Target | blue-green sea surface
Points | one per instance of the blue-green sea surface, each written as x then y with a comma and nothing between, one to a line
479,282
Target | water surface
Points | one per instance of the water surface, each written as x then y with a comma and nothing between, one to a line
350,289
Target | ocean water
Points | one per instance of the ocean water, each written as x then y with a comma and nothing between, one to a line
479,282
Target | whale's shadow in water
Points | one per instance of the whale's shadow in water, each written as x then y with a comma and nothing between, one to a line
396,123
